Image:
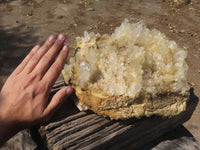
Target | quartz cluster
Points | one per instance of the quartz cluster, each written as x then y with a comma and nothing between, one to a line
133,72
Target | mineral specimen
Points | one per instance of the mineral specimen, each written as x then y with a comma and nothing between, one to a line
134,72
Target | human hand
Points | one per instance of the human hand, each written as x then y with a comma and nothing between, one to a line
24,96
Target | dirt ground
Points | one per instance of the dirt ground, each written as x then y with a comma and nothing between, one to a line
26,23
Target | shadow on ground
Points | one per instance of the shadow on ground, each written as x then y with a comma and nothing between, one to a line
15,44
5,1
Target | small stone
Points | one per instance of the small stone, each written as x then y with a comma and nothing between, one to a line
91,27
191,8
90,9
196,56
198,42
182,31
166,14
29,14
185,47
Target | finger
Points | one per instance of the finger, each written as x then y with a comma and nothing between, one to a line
57,100
35,59
48,58
56,68
26,60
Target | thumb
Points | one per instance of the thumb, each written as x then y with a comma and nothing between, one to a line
57,100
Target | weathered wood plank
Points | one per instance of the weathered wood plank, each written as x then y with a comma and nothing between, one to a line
72,129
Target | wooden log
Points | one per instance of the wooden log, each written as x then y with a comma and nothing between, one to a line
71,129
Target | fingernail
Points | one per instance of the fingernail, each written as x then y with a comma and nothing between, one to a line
65,48
51,38
61,37
69,91
35,48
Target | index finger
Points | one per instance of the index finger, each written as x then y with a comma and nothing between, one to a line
26,60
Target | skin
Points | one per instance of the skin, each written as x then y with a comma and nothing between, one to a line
24,96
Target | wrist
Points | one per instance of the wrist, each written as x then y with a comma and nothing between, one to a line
7,128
